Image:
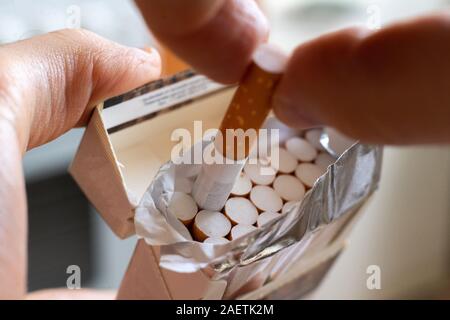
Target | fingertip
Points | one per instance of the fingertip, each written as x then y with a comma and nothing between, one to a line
220,47
123,69
319,78
291,113
148,63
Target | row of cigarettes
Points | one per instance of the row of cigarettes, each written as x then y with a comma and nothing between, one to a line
259,196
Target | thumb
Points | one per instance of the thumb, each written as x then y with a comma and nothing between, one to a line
387,87
216,37
52,82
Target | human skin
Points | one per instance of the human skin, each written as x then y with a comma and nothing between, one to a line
48,85
386,87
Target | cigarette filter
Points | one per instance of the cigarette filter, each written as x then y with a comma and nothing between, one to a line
216,241
266,217
308,173
289,188
240,231
324,160
210,224
287,161
183,207
241,211
260,173
266,199
288,206
302,149
248,110
242,186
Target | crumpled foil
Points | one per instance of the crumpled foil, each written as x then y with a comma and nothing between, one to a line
342,190
345,187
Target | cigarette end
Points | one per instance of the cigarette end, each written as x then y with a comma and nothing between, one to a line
240,231
183,207
210,224
266,199
241,211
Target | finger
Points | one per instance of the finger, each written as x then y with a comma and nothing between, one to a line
217,37
13,214
387,87
54,80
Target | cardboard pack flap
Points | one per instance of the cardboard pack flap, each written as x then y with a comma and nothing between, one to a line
95,170
129,138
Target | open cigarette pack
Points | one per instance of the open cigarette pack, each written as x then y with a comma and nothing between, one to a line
295,224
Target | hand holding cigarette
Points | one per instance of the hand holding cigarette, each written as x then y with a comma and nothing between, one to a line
248,110
314,91
365,84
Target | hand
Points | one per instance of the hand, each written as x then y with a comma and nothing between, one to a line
385,87
48,85
217,37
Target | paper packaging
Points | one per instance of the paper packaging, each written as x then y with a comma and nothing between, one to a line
129,137
124,146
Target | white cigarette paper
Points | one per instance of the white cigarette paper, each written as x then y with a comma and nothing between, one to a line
248,110
214,184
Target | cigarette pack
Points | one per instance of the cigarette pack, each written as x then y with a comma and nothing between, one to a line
123,166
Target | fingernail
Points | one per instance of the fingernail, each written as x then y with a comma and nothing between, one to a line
150,61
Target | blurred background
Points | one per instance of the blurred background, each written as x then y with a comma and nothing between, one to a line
405,231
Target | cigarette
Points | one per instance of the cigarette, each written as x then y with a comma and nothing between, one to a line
289,188
240,231
184,185
243,186
324,160
241,211
216,241
308,173
183,207
287,161
313,137
302,149
249,109
265,217
260,173
288,206
266,199
252,101
210,224
213,185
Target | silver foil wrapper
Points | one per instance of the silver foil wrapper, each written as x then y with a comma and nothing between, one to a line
342,191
